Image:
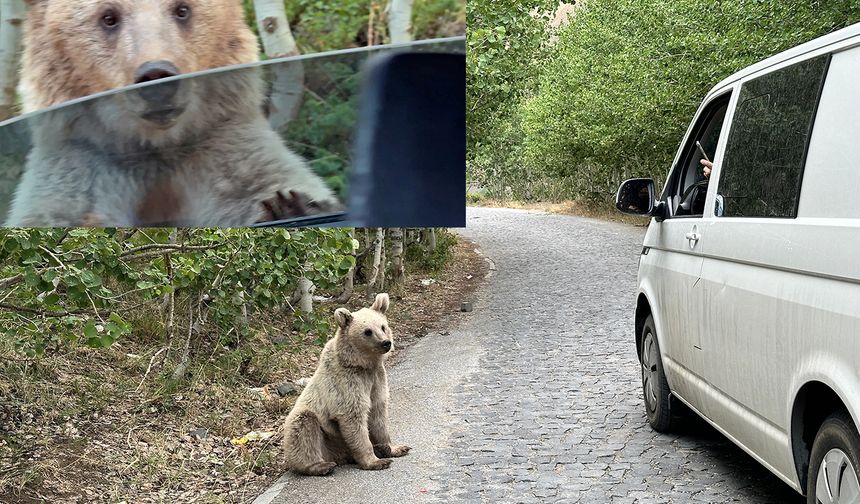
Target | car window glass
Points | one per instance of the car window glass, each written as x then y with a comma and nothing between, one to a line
265,129
766,149
689,183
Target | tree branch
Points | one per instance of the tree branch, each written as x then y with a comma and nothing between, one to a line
45,313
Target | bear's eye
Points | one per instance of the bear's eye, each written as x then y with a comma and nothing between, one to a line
383,328
182,12
368,332
110,20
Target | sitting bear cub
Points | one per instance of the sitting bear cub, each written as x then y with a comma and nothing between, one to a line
341,417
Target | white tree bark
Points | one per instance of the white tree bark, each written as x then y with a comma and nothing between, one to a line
400,21
12,13
398,270
306,302
429,239
288,78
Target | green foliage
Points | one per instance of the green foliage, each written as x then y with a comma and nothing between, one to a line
505,42
617,90
324,26
438,18
433,261
82,284
323,130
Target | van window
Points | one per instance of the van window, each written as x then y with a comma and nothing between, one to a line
688,186
766,150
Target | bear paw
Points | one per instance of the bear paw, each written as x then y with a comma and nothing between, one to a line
399,450
320,469
295,204
376,465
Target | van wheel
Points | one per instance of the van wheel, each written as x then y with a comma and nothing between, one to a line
834,462
658,400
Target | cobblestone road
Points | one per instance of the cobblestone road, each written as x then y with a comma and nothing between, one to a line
535,397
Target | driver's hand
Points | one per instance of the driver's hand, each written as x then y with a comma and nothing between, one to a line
708,166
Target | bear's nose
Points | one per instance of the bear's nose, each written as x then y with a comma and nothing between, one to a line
386,345
155,70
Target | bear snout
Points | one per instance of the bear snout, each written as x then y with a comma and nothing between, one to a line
386,345
156,70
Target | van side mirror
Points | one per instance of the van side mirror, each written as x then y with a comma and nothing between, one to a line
637,197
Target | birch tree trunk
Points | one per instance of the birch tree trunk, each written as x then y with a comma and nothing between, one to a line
288,83
400,21
377,260
429,239
12,13
380,283
306,290
397,268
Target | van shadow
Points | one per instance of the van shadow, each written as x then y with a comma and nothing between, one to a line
744,477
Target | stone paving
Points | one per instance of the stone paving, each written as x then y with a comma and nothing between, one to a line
550,408
554,411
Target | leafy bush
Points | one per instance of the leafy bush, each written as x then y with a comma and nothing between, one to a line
435,260
80,285
504,47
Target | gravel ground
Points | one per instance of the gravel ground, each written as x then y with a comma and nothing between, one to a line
535,395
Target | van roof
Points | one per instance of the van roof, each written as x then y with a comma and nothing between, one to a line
795,52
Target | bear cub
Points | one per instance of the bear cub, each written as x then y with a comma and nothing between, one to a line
341,417
190,153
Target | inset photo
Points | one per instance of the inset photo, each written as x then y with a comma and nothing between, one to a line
192,114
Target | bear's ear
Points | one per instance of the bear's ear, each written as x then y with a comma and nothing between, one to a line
381,303
343,317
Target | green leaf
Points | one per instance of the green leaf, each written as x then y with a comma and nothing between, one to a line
90,331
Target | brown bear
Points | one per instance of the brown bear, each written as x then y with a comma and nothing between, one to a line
341,417
191,152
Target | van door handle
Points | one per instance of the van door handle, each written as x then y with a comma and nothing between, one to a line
692,236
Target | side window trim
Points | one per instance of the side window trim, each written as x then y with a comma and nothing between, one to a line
728,121
809,133
692,130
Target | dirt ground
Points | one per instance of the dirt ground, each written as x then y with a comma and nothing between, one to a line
101,426
577,208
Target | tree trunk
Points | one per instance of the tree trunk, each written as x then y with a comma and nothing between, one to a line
412,236
377,260
382,264
306,299
429,239
349,281
397,267
182,367
400,21
12,13
169,301
288,82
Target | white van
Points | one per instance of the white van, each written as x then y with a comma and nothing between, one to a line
748,306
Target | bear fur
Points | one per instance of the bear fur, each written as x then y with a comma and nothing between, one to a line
201,153
341,417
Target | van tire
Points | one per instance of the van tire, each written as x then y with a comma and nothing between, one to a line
655,389
837,436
